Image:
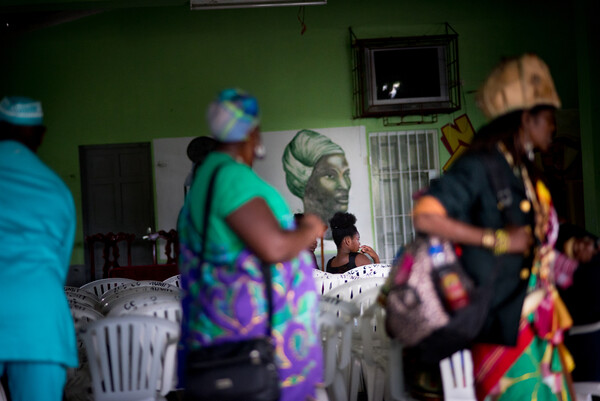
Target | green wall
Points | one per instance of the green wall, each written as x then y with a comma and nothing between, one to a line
131,75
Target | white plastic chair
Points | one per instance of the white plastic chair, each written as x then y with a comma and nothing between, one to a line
167,309
98,287
352,288
120,292
327,281
138,299
372,270
78,386
2,393
77,290
375,356
457,377
174,280
336,322
82,299
126,354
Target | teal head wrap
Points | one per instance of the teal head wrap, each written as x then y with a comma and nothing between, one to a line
232,116
18,110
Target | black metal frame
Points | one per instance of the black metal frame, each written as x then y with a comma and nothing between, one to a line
364,107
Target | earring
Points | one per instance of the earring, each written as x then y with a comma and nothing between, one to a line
528,147
260,151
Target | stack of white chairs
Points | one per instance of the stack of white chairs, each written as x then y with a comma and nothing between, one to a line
169,309
83,306
126,356
372,270
336,321
457,377
375,360
77,296
131,294
99,287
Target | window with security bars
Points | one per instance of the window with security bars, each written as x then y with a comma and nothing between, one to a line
402,163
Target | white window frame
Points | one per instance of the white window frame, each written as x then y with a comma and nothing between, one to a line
392,211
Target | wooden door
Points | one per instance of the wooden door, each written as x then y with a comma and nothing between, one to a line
117,196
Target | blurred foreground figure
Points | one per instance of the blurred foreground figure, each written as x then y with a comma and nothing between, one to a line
249,224
520,355
37,227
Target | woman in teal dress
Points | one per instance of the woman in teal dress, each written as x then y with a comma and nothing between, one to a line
249,224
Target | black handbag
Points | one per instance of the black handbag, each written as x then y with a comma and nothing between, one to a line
240,370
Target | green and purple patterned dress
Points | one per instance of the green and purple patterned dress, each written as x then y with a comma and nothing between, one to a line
224,300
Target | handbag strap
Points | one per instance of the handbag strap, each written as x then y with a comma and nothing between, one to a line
266,270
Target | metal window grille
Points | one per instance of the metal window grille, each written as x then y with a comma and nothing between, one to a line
402,163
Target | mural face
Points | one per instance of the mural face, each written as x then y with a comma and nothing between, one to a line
317,172
328,187
321,171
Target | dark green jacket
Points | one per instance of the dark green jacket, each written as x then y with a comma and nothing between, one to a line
466,193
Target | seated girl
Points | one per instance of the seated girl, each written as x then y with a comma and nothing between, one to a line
350,253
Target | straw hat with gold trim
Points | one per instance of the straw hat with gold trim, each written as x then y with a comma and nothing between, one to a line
517,84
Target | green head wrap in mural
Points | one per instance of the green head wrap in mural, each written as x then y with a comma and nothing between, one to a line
316,171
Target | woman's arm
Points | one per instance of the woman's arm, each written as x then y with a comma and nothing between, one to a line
258,228
520,238
369,251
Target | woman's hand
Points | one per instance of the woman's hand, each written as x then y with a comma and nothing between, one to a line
369,251
314,225
521,239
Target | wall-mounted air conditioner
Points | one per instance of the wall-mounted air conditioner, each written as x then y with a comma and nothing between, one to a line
217,4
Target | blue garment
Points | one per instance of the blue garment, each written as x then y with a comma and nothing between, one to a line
37,229
35,381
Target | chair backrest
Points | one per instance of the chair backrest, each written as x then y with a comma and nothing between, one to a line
325,282
110,250
372,270
169,309
174,280
137,286
82,299
457,377
99,287
126,354
77,290
171,239
83,315
352,288
138,299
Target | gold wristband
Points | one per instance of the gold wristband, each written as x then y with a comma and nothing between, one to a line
488,239
502,242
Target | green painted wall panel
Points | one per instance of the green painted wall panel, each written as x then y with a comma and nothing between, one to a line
134,74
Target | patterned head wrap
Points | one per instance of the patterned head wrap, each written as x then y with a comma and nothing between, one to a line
301,155
232,116
22,111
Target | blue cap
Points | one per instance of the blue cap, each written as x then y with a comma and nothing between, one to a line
20,110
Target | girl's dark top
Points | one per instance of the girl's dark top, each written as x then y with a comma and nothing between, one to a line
343,268
467,195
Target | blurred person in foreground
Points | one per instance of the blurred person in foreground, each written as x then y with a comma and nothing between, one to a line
37,226
249,224
519,354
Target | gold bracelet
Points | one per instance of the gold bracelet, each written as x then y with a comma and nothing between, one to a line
488,240
502,242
